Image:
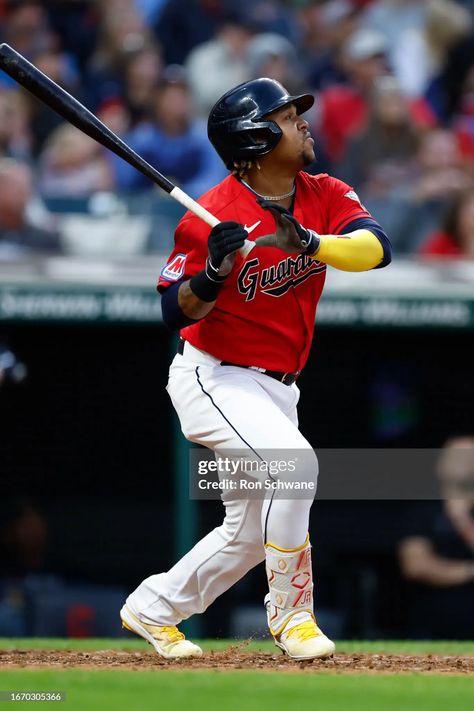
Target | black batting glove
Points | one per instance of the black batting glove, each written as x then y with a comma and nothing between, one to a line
224,240
290,236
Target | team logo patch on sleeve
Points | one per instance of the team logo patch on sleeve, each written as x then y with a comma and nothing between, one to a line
175,269
352,195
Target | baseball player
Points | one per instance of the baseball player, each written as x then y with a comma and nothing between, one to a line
246,326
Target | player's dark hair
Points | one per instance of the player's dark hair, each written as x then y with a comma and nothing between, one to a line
242,167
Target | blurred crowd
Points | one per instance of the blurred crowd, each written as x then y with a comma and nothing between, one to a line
394,115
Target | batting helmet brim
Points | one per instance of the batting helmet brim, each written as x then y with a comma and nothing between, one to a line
302,102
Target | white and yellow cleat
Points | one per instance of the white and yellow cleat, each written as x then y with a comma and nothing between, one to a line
168,641
305,641
289,603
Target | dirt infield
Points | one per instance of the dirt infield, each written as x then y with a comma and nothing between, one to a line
235,658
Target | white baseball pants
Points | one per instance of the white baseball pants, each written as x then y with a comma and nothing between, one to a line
227,407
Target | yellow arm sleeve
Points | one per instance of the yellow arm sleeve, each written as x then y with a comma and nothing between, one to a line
356,251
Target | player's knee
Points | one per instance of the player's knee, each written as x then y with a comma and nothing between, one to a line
296,469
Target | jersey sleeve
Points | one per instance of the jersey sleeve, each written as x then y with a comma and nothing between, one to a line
189,254
343,206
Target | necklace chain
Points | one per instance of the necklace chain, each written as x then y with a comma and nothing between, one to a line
275,198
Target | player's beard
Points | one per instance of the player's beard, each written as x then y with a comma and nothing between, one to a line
308,155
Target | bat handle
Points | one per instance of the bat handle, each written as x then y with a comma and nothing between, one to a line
206,216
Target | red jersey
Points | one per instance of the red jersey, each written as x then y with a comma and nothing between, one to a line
265,312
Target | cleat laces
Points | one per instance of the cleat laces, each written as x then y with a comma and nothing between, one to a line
304,631
173,633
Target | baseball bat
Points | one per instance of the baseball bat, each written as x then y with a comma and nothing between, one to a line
54,96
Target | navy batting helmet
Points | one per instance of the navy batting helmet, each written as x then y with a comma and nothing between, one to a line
237,127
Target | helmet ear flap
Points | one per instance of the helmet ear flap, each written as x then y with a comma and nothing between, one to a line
250,141
263,136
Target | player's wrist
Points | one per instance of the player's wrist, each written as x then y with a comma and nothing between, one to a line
207,284
213,272
312,242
